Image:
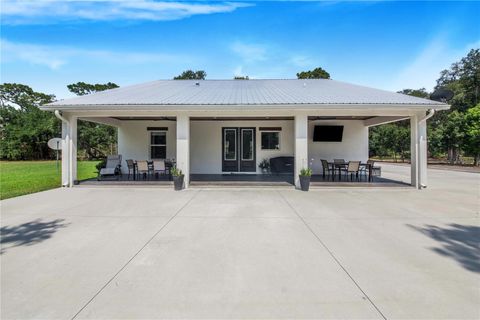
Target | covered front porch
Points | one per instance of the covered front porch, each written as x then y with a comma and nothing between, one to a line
225,148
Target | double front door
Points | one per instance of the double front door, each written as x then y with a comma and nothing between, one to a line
238,149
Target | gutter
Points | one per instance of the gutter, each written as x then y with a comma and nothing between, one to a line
68,142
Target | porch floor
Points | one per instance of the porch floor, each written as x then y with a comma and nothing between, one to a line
246,180
241,180
125,180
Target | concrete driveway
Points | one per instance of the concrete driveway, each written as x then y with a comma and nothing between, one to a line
129,253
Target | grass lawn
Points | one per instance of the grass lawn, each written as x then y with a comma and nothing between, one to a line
22,177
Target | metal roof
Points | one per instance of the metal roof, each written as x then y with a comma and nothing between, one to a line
292,92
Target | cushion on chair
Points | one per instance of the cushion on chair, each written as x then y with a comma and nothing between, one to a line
282,164
107,171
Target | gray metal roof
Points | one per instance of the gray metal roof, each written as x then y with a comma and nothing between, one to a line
244,92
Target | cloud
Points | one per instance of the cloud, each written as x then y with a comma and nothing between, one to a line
425,69
55,57
52,11
249,52
238,72
302,61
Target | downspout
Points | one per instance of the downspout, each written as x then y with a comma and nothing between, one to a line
430,113
69,148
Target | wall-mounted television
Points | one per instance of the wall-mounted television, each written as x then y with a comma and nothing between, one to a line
328,133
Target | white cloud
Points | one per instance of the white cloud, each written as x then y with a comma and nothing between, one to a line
238,72
54,57
425,69
302,61
249,52
51,11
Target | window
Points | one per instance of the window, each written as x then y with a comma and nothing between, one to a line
270,140
230,140
247,144
158,145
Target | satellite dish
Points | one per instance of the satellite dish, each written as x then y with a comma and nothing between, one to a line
442,95
55,143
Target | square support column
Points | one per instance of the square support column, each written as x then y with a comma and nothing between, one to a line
183,146
69,151
73,153
65,154
422,152
418,150
301,146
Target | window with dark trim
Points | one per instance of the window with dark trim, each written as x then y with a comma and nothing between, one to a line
270,140
158,144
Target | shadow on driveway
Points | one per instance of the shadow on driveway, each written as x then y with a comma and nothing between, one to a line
459,242
29,233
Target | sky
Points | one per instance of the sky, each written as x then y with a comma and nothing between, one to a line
48,44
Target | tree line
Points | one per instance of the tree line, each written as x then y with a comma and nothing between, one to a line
453,134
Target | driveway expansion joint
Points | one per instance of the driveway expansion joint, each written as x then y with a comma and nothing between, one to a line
365,295
136,254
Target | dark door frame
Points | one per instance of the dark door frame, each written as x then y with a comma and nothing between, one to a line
239,165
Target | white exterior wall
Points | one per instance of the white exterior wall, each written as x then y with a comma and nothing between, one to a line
206,143
354,145
134,140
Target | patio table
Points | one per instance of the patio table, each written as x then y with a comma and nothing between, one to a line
339,166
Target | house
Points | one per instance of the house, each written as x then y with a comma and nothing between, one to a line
225,126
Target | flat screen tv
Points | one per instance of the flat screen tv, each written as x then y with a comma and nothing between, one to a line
328,133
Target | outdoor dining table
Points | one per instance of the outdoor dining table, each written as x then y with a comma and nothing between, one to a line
169,164
340,166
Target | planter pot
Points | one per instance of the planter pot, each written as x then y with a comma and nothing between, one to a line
304,183
265,170
178,182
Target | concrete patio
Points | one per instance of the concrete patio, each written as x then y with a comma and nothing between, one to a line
149,252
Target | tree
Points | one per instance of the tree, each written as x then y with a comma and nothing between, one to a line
24,128
420,93
82,88
463,78
453,135
472,133
241,78
191,75
317,73
94,140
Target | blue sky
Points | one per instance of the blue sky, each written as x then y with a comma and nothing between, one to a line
383,44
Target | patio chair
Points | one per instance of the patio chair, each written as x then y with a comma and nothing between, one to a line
376,170
112,167
142,169
352,168
327,170
159,167
131,168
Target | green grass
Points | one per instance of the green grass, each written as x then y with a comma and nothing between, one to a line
23,177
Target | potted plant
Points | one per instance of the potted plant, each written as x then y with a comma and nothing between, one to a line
264,165
305,175
178,178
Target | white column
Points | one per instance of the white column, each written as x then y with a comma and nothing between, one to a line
422,152
183,146
301,146
413,151
65,154
73,147
418,150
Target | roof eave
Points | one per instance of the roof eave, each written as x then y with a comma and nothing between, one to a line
212,107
